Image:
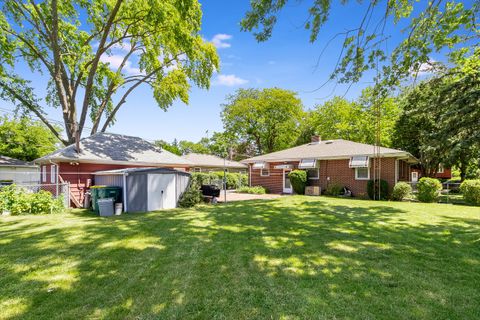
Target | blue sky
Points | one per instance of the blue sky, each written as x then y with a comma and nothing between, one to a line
287,61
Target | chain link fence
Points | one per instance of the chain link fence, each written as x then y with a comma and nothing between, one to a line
57,190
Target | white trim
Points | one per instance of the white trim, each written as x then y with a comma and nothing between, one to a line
416,176
264,175
260,165
130,163
308,163
359,162
197,169
314,178
283,166
384,155
356,174
249,175
285,190
441,168
124,193
44,173
52,173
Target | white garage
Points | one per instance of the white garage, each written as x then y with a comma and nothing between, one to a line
146,189
18,172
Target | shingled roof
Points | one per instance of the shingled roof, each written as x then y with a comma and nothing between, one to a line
208,160
115,149
328,149
11,162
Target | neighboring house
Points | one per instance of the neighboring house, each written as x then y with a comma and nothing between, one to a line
207,162
341,162
18,171
100,152
442,173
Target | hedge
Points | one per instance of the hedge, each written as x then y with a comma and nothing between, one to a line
471,191
298,179
428,189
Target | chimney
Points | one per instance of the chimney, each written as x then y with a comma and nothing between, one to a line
316,139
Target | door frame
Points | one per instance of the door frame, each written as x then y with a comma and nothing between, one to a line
284,190
416,176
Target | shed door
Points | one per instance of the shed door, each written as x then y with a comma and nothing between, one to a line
161,191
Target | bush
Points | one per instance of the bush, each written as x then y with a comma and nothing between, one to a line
20,201
428,189
298,179
234,180
191,196
372,189
471,191
252,190
334,189
401,191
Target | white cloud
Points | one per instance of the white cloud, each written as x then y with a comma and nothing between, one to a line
116,60
220,40
424,68
229,80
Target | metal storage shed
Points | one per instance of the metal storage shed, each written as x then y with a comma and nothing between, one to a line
146,189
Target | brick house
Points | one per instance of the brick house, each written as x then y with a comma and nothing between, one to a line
208,162
342,162
442,173
101,152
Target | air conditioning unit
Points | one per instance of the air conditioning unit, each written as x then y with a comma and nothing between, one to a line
312,191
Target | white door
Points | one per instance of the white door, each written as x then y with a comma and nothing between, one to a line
414,176
287,186
161,192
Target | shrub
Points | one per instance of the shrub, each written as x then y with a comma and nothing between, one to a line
298,179
428,189
471,191
234,180
401,191
333,189
373,188
20,201
252,190
191,196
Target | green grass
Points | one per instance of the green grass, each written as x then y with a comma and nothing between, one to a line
290,258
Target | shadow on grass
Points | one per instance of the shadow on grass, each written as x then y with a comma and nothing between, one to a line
291,258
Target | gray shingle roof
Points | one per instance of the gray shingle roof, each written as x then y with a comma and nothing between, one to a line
11,162
329,149
116,148
208,160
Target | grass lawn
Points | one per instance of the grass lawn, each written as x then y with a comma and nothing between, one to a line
289,258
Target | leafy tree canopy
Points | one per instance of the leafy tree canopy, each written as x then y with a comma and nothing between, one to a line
95,53
267,119
437,26
25,139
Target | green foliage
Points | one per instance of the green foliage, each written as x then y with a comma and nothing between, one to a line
374,186
96,53
401,191
191,197
428,189
471,191
234,179
298,179
439,27
333,189
252,190
20,201
25,139
267,119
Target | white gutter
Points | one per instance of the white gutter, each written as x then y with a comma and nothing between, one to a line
124,192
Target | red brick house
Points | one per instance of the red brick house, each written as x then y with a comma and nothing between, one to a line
101,152
342,162
442,173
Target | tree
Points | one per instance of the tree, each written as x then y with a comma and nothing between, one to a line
431,27
339,118
184,146
267,119
89,51
25,139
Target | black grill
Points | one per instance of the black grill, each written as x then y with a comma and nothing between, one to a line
210,190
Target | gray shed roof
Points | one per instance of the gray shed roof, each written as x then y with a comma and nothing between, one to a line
138,170
329,149
116,149
208,160
11,162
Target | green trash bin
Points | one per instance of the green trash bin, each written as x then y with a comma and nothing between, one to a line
103,192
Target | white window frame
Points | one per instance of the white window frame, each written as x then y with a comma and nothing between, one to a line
44,173
441,169
318,173
197,169
264,175
362,178
52,173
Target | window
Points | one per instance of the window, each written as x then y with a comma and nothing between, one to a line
313,174
362,173
307,164
44,173
196,169
243,171
359,162
52,174
264,172
441,169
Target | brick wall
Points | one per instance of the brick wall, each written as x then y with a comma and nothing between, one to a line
331,172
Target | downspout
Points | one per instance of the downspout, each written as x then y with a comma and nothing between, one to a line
249,174
124,192
396,171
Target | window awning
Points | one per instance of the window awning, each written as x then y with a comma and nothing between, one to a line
307,164
283,166
359,162
260,165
